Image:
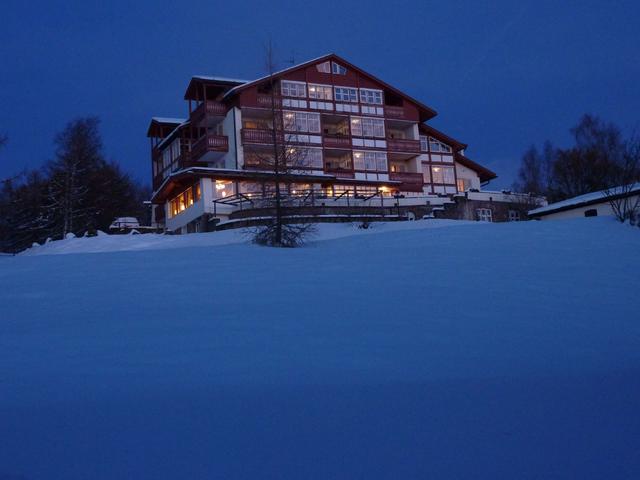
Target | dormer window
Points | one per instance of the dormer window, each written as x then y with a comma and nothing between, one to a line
338,69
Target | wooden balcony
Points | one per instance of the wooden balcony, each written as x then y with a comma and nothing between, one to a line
395,112
411,181
265,100
339,172
257,135
209,143
336,141
403,145
208,109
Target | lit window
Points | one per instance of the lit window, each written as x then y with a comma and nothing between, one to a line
320,92
185,200
346,94
484,215
224,188
338,69
368,95
370,161
463,184
367,127
302,122
443,175
293,89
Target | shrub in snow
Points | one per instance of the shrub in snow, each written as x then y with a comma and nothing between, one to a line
293,235
35,244
69,235
134,232
48,240
100,233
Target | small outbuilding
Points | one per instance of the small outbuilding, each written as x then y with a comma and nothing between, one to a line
595,204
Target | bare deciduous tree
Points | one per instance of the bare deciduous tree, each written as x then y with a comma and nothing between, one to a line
284,158
624,204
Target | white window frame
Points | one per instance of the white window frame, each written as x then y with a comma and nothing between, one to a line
338,69
370,161
291,88
439,176
371,96
370,127
514,216
437,146
306,122
312,158
324,67
424,143
346,94
484,215
327,91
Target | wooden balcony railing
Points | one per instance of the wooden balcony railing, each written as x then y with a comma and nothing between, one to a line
336,141
411,182
258,135
339,172
209,143
209,108
394,112
265,100
403,145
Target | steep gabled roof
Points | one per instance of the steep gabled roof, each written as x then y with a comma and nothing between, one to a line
160,123
587,199
484,173
429,130
223,83
430,113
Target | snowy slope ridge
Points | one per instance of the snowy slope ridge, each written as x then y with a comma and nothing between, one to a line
114,243
497,351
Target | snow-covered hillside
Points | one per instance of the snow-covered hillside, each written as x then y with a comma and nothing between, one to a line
485,351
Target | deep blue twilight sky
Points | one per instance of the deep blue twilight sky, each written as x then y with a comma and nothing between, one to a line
501,74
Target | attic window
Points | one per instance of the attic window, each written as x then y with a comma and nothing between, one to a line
338,69
437,146
324,67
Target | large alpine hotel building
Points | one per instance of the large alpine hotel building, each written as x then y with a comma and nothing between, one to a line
364,140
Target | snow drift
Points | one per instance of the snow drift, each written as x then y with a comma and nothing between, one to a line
481,351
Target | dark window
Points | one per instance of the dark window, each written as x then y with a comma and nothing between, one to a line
591,213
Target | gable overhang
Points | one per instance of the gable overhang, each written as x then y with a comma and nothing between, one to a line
160,127
437,134
220,84
426,112
484,173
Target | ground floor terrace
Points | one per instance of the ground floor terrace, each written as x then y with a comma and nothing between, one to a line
203,200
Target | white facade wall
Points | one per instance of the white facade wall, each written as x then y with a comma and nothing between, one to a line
236,113
603,208
468,174
229,128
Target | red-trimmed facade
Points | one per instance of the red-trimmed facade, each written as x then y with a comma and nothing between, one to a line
362,135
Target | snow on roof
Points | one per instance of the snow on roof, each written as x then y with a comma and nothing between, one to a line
165,139
586,199
230,92
168,120
220,79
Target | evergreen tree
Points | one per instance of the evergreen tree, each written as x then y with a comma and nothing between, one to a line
78,160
